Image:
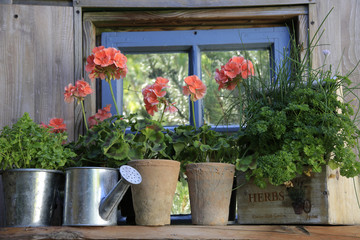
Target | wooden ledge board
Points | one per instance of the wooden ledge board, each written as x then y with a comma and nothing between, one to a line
269,232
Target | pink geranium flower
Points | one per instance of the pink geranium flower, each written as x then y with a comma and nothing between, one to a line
100,116
194,87
106,63
155,94
79,91
69,93
82,89
92,121
104,113
56,125
232,73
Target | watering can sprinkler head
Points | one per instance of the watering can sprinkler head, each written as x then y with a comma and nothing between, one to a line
108,205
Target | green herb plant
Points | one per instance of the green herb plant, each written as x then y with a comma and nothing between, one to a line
28,145
297,123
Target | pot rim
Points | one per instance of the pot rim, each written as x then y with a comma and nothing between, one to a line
154,162
32,170
211,163
105,168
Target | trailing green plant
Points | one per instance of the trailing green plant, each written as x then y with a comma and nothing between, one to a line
298,123
27,144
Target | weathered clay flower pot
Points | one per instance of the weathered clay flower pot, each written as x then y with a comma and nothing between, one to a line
210,187
153,197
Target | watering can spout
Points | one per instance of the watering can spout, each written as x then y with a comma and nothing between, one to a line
108,205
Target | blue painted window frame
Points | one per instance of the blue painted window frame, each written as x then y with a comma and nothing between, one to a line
275,39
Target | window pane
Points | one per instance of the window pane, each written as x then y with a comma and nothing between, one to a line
217,103
143,69
181,203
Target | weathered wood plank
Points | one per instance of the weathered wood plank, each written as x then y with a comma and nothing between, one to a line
185,3
6,1
184,232
196,17
302,33
78,68
88,44
36,62
44,2
350,42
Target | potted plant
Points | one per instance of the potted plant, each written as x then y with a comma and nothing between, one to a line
297,129
100,150
32,157
207,158
153,198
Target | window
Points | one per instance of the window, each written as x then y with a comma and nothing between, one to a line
177,54
183,53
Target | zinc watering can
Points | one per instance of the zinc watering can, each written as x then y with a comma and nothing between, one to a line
92,194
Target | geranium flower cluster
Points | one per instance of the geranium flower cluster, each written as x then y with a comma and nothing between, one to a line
106,63
155,94
231,74
56,125
100,116
194,87
79,91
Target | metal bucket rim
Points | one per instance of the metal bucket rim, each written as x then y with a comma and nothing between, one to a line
105,168
32,170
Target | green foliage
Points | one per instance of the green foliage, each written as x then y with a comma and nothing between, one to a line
191,145
104,145
150,141
28,145
297,124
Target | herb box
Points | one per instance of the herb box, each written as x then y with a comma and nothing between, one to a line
323,198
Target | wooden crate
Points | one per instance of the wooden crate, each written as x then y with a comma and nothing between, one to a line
324,198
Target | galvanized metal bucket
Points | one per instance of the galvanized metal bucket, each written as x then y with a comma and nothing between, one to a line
92,194
30,196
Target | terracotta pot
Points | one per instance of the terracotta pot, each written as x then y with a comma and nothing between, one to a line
210,187
153,197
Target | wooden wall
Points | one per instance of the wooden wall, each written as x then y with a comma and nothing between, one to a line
341,33
36,62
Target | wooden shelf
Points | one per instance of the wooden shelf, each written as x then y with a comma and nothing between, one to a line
277,232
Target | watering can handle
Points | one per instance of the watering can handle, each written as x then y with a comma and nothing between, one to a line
129,175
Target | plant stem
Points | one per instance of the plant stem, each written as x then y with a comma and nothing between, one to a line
83,110
113,97
162,115
241,104
193,112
